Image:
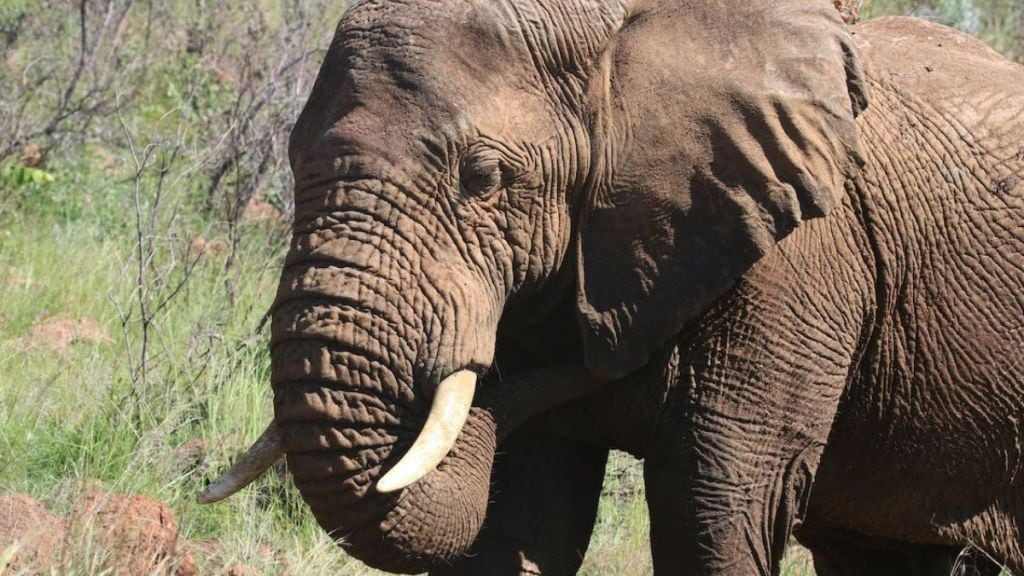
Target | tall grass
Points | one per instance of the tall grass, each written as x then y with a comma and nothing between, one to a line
81,418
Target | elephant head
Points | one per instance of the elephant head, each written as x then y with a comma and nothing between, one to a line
463,162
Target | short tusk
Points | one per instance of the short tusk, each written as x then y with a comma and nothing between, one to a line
262,455
448,413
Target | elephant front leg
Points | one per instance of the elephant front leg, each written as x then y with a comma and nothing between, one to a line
736,523
544,503
737,447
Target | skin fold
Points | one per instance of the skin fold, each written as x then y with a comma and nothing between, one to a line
780,259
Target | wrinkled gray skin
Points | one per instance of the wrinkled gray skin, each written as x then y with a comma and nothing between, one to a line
783,264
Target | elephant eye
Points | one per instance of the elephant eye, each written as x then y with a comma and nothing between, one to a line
480,175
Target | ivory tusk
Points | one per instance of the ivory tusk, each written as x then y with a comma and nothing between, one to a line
260,456
448,413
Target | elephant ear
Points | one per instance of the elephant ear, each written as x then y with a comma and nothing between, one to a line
718,127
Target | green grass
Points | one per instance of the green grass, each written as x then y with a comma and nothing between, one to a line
81,418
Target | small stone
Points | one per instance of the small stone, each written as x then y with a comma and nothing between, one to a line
32,155
262,211
241,570
186,566
205,550
202,247
190,456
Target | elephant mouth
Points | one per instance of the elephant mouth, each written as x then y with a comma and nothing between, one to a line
449,411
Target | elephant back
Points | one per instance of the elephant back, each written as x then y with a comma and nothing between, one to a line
946,75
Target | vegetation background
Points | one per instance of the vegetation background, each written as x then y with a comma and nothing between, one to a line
144,210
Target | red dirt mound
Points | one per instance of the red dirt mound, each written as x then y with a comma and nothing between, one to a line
138,534
60,332
28,525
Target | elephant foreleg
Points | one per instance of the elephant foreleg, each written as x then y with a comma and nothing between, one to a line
544,503
724,525
739,442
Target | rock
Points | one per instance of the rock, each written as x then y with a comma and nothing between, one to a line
59,332
217,247
186,566
37,533
206,549
241,570
200,247
32,155
190,456
137,534
207,553
262,211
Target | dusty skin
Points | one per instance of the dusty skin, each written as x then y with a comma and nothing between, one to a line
780,258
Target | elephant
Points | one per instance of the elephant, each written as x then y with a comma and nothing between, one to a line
778,257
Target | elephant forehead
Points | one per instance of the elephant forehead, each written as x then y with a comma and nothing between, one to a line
428,47
479,39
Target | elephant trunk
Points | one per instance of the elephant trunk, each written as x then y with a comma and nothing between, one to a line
336,465
365,332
